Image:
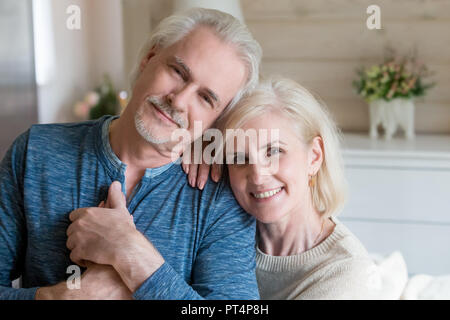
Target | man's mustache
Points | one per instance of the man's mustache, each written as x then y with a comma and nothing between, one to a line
167,108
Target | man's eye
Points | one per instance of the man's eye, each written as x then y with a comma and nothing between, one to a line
177,71
207,99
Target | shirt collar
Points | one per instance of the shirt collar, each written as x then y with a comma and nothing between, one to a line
114,163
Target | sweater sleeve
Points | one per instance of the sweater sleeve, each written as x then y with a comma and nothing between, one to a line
348,279
225,264
12,221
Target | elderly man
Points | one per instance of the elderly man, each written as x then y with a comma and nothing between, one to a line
154,237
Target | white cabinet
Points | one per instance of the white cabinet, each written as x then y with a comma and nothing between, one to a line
400,198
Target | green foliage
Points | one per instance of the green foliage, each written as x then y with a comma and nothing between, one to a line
108,103
392,79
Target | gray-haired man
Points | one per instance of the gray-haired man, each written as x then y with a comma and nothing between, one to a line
155,237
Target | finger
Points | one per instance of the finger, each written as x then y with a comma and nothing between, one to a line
70,243
76,258
75,214
192,175
185,168
202,175
116,198
70,229
216,172
186,161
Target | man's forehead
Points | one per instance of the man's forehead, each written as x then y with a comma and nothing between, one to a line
211,61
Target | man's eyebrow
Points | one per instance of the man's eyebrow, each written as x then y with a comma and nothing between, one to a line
183,65
213,95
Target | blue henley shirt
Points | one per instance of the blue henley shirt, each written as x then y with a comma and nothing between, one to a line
205,237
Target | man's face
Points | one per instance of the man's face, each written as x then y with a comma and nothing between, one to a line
191,80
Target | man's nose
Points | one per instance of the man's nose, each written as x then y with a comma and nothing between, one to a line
180,98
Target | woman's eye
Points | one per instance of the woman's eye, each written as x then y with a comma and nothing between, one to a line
273,151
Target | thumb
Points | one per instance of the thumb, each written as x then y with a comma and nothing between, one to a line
116,199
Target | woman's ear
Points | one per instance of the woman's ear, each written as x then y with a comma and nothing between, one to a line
147,57
316,154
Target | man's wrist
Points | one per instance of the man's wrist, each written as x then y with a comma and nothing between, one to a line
56,292
138,262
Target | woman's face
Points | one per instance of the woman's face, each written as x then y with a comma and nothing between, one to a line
271,195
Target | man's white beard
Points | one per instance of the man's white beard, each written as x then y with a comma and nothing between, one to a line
145,132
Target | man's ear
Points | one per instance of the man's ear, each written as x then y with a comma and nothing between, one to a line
316,154
147,57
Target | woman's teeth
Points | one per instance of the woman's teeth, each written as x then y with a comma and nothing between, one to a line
266,194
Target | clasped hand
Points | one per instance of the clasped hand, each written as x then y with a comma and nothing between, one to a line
101,234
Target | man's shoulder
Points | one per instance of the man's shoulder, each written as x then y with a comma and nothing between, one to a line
57,131
63,137
220,192
224,202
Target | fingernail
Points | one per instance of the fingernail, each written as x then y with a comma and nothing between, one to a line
117,185
201,185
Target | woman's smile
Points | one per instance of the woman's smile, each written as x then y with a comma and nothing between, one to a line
266,195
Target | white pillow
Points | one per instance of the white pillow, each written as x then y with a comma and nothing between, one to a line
426,287
394,274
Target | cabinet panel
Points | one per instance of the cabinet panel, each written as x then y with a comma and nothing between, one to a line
424,247
399,195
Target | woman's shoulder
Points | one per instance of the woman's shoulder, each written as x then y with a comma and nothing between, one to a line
346,271
345,245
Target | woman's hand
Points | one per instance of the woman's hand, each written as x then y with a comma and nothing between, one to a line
198,173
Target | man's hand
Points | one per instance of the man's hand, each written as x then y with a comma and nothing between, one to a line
98,282
96,234
108,236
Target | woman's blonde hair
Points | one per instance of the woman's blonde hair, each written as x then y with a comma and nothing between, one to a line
310,119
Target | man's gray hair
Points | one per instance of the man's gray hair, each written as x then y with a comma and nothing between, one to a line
228,28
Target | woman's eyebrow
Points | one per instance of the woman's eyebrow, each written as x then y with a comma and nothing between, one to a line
271,143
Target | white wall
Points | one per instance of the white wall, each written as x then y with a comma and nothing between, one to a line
81,56
320,43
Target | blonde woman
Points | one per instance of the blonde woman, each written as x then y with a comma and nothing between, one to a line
303,250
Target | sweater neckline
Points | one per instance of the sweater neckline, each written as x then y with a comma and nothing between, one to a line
290,263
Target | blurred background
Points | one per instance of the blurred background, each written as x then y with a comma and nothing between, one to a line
61,58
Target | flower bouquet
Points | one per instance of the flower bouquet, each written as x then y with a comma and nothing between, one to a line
389,89
102,101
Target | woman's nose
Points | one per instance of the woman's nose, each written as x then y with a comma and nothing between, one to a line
256,174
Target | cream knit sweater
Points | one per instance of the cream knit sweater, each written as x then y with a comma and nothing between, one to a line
338,268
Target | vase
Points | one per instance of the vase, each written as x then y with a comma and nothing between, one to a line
391,115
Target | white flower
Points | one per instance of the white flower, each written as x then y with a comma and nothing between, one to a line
92,98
